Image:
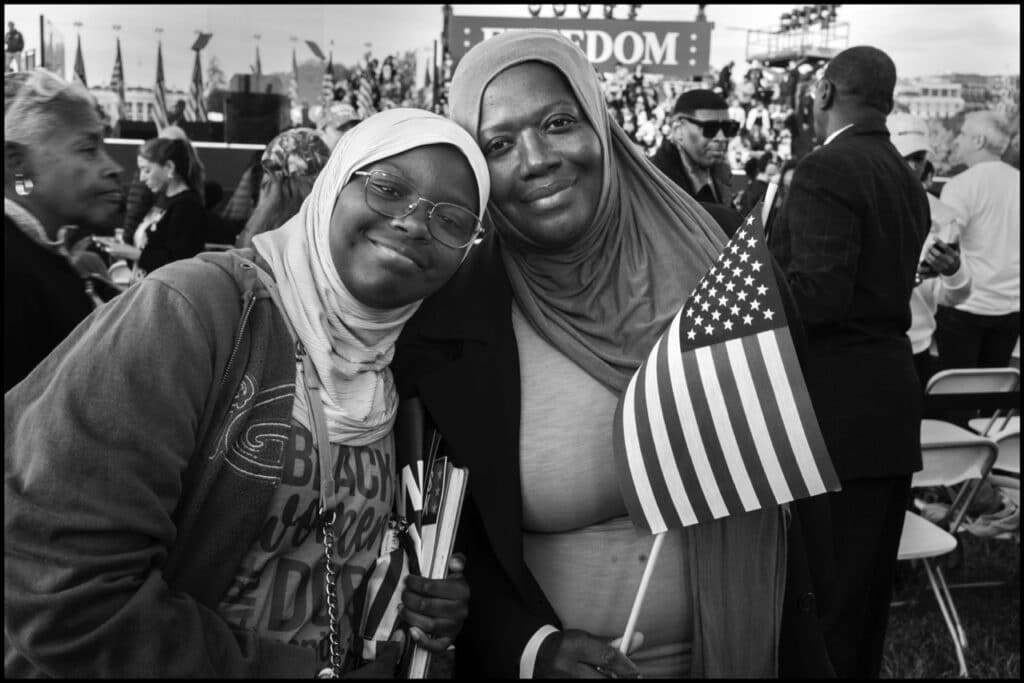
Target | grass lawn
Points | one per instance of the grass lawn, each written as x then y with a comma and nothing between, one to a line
918,644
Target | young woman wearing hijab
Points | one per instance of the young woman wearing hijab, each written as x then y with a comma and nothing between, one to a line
197,479
520,361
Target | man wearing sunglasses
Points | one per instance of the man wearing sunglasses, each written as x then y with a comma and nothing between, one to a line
693,155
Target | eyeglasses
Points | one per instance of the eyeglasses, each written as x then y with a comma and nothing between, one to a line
392,196
710,128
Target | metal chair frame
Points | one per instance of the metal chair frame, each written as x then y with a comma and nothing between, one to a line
937,581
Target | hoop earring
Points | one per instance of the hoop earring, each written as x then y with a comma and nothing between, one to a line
22,185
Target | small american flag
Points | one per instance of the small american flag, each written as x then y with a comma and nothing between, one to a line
159,95
117,81
375,602
717,421
327,85
293,83
80,64
195,109
364,96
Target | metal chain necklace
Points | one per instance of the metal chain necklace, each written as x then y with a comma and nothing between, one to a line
330,589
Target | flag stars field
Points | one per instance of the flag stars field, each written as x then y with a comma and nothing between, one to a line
717,420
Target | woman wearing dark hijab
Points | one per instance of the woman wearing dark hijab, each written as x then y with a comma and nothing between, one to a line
520,361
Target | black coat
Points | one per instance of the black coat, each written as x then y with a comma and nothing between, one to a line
458,354
849,239
666,158
44,299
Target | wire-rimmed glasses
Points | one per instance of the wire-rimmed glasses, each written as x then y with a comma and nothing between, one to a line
395,197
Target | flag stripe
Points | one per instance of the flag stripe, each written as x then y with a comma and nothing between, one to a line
384,589
708,436
649,453
758,428
671,406
649,515
724,429
688,423
780,437
675,499
626,449
746,451
793,415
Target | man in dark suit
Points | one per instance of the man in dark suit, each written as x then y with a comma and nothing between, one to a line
849,238
693,155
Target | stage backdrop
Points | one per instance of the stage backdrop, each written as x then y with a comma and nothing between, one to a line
677,49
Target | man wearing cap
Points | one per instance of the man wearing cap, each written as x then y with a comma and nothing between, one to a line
693,155
942,277
849,237
982,331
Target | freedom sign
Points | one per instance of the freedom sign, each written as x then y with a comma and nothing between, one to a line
677,49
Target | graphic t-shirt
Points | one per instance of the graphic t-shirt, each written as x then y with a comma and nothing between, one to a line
279,587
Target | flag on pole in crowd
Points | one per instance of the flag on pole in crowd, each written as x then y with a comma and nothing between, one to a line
80,63
364,95
159,94
293,83
327,86
717,421
117,81
195,109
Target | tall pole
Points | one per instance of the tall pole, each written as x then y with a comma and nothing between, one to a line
434,64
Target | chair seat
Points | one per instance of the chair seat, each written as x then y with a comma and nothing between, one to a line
922,539
1011,424
941,433
951,454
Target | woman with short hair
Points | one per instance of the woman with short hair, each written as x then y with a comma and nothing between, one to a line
57,173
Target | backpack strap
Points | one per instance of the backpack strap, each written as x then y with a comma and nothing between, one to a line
313,396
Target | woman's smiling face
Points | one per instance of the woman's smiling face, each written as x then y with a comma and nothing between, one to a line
542,152
391,262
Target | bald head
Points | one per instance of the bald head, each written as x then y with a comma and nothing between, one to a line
864,76
991,126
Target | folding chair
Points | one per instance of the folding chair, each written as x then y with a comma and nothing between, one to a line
922,540
977,381
1006,470
952,456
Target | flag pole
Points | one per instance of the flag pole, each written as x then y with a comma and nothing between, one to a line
641,593
769,199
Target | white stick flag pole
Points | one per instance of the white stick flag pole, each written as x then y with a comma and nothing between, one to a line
769,199
641,593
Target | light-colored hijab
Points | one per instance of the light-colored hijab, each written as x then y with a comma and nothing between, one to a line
351,344
606,299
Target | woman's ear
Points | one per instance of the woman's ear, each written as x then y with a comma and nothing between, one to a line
16,158
169,167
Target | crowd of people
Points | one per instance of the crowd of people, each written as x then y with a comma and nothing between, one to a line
200,458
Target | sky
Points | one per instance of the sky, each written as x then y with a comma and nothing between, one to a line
921,39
